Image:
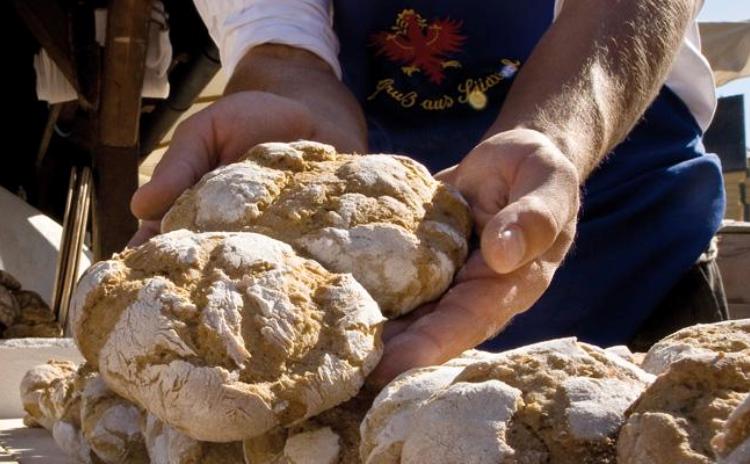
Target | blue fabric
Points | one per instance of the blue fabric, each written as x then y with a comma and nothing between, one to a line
496,34
648,211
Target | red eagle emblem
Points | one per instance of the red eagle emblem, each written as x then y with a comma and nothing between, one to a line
421,46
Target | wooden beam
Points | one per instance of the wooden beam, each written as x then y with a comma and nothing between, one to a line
124,68
115,158
115,180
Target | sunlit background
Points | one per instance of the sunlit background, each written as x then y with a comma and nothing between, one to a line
731,10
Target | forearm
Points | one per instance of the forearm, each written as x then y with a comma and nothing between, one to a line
594,73
333,115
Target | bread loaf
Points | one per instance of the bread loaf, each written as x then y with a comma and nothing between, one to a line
225,335
383,218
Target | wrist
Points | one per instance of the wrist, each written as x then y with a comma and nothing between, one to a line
558,145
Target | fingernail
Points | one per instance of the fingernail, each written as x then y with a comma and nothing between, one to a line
513,245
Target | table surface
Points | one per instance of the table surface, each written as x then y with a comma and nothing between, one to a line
23,445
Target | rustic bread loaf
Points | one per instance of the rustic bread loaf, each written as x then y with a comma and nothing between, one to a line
678,416
51,394
559,401
25,314
389,420
697,341
36,387
111,425
383,218
732,444
168,446
225,335
331,437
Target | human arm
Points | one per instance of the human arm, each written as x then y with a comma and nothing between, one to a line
276,92
582,90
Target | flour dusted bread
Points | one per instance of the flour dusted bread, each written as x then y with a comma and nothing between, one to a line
168,446
732,444
676,419
34,317
225,335
390,419
51,395
383,218
560,401
37,390
24,313
331,437
111,425
697,341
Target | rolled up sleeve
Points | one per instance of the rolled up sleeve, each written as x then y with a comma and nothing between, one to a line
239,25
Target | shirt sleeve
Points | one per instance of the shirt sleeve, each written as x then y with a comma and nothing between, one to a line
239,25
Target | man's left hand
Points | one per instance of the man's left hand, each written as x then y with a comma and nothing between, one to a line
524,196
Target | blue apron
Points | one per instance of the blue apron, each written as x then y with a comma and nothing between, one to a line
432,76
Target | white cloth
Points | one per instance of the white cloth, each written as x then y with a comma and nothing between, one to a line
727,47
52,85
238,25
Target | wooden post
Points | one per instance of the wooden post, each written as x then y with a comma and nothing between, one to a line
116,155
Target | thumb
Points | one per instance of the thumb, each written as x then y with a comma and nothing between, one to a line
543,202
185,161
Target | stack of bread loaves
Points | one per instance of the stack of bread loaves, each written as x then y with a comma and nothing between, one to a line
245,332
261,305
558,402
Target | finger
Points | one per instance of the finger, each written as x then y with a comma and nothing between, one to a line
467,315
447,175
543,201
147,230
185,161
396,326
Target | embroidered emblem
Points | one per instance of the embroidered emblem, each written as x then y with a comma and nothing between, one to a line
421,46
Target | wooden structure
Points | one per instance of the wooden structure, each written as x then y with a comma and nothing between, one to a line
108,123
734,262
108,82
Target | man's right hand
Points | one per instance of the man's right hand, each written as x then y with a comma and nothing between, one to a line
275,94
215,136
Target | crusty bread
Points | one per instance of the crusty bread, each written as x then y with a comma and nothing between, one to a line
111,425
697,341
331,437
678,416
25,314
383,218
225,335
560,401
51,394
36,389
168,446
389,420
732,444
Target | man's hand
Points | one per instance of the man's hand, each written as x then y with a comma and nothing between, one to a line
215,136
276,94
524,197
